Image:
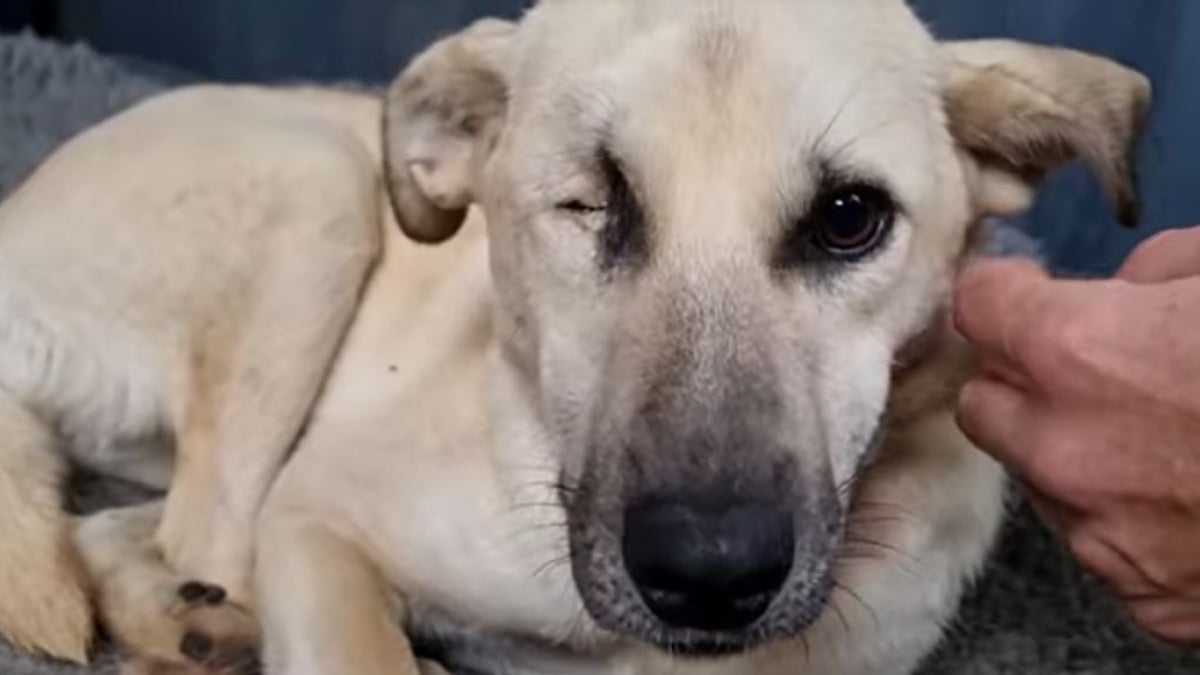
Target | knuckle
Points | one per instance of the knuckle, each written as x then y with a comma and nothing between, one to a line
1096,555
1164,241
1052,469
974,287
1059,339
1081,545
1146,248
1154,621
970,403
1145,615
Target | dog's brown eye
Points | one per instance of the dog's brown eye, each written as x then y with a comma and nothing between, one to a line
851,222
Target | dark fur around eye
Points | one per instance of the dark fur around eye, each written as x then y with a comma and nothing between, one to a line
623,241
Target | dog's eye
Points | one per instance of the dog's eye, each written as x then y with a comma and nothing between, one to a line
580,207
851,222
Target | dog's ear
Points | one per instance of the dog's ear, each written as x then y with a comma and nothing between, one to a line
443,116
1022,110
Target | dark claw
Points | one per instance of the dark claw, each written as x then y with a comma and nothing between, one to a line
215,595
238,659
196,647
194,592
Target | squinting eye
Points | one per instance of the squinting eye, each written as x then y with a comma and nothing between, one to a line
580,207
852,221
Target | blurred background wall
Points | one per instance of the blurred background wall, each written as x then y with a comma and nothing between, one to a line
368,40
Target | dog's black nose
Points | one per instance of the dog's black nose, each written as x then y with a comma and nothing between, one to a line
704,567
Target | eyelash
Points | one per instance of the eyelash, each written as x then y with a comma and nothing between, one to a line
578,207
620,223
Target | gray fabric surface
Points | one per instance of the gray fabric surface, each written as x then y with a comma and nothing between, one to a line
1033,612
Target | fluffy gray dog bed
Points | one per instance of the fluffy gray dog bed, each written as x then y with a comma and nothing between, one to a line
1033,612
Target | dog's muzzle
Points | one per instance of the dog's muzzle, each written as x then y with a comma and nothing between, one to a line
707,566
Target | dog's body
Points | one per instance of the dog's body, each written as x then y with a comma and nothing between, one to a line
194,306
655,334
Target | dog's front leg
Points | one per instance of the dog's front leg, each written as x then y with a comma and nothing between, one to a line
150,609
254,369
324,607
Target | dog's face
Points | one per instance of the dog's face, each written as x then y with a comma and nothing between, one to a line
713,225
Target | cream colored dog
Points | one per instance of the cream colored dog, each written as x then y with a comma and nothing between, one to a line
686,396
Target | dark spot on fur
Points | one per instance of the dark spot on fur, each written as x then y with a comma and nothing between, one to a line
624,241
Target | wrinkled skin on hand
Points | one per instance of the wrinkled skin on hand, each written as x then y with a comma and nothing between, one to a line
1090,392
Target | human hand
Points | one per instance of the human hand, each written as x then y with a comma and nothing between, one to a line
1090,391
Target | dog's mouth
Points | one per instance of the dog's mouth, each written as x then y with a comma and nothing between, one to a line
705,648
716,565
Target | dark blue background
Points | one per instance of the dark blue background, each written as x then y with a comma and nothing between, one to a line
369,39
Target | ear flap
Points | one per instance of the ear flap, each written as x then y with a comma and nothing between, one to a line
1023,110
442,118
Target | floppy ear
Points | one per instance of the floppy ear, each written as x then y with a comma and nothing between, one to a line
1022,110
443,115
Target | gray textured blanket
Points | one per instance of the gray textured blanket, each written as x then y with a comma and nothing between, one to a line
1033,612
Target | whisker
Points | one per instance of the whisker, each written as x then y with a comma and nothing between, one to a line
872,504
575,631
852,556
858,598
556,525
867,519
858,556
837,609
529,506
881,545
854,92
840,150
551,564
555,485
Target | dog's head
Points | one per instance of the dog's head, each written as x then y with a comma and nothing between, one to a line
713,225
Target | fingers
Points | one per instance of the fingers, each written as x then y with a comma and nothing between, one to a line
994,415
1055,515
1167,256
1171,619
1168,615
992,297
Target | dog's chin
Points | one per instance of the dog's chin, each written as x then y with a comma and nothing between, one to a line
616,607
688,644
704,648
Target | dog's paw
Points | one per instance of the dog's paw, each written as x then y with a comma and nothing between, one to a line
167,624
207,636
154,613
218,635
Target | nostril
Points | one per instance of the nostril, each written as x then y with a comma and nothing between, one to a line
704,567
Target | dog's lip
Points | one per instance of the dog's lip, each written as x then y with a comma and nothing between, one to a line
693,644
707,647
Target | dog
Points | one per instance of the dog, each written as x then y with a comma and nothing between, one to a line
678,389
685,402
